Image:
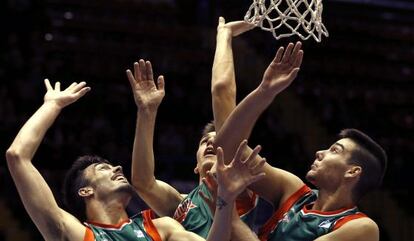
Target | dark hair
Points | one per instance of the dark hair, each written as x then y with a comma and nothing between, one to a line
370,156
74,180
209,127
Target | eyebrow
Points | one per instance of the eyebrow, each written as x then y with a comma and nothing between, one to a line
339,144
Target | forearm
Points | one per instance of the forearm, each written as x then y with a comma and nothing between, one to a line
143,152
221,227
241,232
31,134
223,84
240,123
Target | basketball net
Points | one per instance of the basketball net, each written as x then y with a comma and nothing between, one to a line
296,17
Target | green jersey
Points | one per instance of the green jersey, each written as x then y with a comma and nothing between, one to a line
138,228
295,221
195,215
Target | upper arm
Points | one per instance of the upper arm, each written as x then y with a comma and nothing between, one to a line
277,185
161,197
361,229
171,230
38,200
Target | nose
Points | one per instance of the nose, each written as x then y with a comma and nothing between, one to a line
319,155
117,169
210,141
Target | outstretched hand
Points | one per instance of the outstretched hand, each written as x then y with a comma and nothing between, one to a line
66,97
283,69
233,179
234,28
147,94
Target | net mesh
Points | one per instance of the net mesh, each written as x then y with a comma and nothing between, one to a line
288,17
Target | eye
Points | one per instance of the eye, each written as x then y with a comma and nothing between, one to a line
334,149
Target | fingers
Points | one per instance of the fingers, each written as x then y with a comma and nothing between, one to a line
81,92
221,22
298,60
137,72
239,152
288,51
257,167
279,55
149,74
57,86
220,159
74,87
160,82
131,78
295,52
142,69
48,85
252,155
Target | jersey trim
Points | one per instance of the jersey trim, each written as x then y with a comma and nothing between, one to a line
246,205
88,235
348,218
306,211
270,225
149,226
117,226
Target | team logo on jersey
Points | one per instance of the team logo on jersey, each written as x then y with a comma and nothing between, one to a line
183,209
139,233
325,224
285,218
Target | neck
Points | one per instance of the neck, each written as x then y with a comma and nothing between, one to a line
333,200
109,212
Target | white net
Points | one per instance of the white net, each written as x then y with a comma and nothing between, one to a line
288,17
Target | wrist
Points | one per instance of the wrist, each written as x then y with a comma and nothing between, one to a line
53,105
148,110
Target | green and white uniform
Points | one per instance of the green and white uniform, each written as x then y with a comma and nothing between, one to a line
138,228
195,215
295,221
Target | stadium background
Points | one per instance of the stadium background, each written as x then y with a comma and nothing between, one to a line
362,76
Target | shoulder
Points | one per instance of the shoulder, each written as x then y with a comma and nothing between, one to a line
166,226
363,229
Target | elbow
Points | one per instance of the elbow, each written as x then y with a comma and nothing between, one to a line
221,87
12,156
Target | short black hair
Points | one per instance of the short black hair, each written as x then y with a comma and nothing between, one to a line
209,127
74,180
370,156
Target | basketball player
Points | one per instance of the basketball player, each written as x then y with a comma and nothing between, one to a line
98,192
343,173
190,210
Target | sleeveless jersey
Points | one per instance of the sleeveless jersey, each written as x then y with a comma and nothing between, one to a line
195,215
294,220
138,228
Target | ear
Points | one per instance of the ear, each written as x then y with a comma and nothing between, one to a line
354,171
196,170
85,191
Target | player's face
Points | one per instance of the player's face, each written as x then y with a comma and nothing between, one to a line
106,179
206,155
330,166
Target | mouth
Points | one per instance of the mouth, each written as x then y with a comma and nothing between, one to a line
118,177
209,151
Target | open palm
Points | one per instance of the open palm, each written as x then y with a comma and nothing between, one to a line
234,178
65,97
283,69
146,93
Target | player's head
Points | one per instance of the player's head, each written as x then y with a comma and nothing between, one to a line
206,155
92,177
355,158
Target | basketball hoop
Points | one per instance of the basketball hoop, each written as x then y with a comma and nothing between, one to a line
291,17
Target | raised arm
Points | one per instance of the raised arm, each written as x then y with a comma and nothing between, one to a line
160,196
223,83
53,222
280,73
